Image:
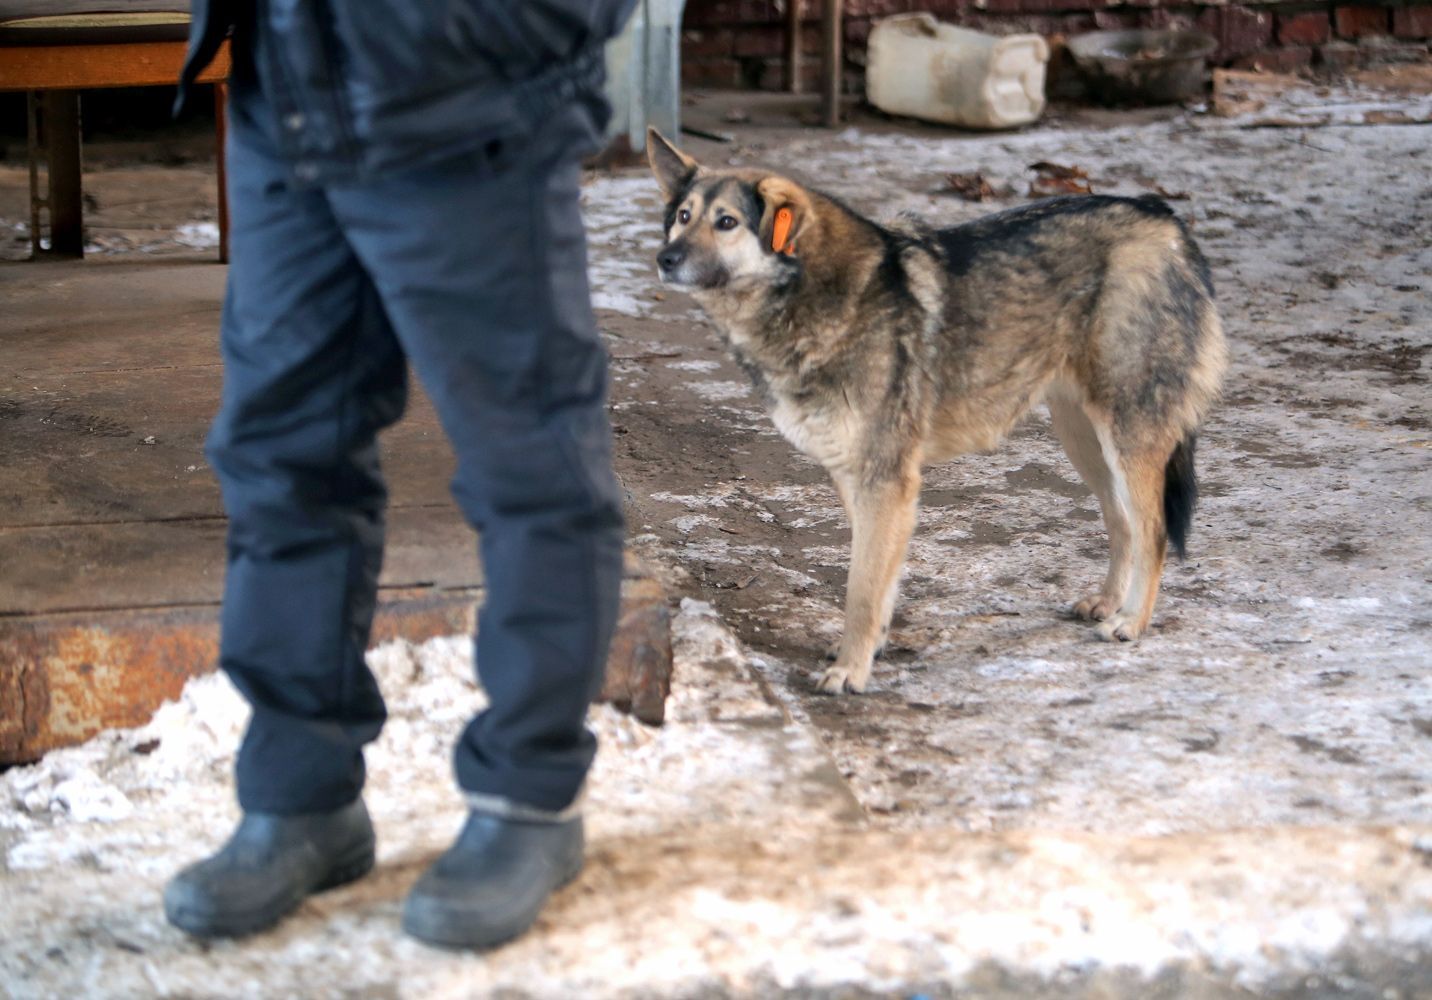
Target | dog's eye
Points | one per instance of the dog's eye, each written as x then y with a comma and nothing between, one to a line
727,222
683,216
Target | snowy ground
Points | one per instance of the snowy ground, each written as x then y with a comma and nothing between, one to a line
1285,680
726,858
1240,804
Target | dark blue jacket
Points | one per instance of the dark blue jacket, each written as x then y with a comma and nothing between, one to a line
363,86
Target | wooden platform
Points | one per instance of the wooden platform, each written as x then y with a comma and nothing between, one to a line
111,527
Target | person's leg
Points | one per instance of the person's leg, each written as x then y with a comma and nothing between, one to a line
312,372
482,267
481,264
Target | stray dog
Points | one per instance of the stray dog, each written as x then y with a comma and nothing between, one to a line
880,350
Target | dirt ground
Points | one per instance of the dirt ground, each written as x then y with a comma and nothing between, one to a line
1281,702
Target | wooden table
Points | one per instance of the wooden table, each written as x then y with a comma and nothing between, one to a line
53,50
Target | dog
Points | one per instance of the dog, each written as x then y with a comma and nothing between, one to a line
882,349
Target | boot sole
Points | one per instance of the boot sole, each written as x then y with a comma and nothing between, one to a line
205,924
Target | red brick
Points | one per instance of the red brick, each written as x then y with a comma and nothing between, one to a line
699,13
948,10
773,76
707,42
759,11
1075,24
1379,50
857,32
1004,6
760,40
1340,55
1355,22
1412,22
877,8
1167,20
1312,28
720,73
1116,20
1239,30
1288,59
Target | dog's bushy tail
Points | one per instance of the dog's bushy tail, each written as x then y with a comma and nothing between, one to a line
1180,494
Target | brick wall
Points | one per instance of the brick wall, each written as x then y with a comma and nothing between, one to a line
739,43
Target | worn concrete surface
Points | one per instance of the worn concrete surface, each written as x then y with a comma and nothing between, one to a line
1238,805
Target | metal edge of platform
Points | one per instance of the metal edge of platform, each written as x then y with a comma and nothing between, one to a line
66,677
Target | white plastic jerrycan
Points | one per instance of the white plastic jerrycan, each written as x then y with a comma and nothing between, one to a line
921,67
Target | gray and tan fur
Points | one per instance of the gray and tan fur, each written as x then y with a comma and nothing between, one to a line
881,350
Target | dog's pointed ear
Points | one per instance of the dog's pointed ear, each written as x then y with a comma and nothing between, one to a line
672,167
787,214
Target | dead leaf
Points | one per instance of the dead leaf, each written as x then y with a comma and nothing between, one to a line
1389,117
1168,195
1057,179
1058,170
970,187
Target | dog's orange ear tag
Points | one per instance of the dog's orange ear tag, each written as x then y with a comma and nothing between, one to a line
780,230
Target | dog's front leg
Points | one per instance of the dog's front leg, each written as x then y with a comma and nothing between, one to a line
882,516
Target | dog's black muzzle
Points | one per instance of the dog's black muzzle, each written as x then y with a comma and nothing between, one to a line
671,257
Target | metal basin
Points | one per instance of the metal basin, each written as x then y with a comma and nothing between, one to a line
1144,66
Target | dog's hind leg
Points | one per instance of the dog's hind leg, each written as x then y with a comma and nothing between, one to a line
882,516
1076,431
1144,474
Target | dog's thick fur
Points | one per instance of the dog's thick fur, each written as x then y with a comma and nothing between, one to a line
881,350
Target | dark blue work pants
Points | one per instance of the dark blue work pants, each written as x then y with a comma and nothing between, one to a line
473,270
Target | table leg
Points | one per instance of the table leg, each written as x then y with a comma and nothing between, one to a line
831,29
32,151
793,46
62,156
221,94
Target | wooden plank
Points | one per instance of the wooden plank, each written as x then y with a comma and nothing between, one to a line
832,27
793,46
155,564
80,67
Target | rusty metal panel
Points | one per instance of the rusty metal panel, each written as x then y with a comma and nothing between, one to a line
638,676
66,677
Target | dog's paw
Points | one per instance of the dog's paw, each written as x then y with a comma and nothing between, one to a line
1096,608
838,680
1117,628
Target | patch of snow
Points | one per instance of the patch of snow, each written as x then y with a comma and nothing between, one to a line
720,391
199,235
694,366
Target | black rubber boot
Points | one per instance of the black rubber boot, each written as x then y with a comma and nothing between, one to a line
267,868
491,884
